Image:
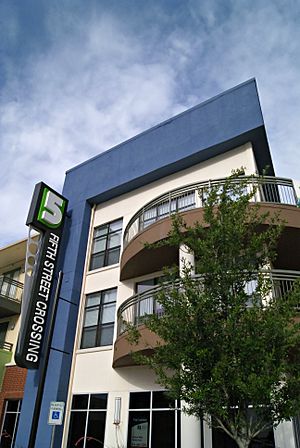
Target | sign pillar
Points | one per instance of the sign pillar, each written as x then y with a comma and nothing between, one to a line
46,215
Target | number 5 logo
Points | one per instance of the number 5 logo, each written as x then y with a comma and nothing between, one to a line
51,209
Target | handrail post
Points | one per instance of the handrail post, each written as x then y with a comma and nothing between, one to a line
295,194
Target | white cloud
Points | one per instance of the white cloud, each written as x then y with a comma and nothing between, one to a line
105,78
256,39
78,99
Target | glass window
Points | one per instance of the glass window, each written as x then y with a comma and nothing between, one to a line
154,421
87,421
99,319
10,423
80,401
138,429
162,400
98,401
163,429
139,400
147,305
106,245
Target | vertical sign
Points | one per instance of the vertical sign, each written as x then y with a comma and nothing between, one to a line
46,215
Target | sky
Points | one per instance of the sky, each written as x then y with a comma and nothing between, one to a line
80,76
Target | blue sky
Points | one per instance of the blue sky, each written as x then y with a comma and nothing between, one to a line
77,77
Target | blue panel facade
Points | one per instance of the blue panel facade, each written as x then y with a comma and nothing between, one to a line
212,128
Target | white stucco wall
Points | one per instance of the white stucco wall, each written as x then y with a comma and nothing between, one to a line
92,370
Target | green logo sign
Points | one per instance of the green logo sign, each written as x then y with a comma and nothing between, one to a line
51,209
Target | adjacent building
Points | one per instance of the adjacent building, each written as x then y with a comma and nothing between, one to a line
12,377
118,201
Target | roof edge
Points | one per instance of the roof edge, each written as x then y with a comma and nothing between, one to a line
169,120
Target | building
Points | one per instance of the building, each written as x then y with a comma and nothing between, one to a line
117,201
12,377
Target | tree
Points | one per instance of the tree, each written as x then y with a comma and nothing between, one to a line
231,347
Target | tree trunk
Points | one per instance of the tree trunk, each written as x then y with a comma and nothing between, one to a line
243,443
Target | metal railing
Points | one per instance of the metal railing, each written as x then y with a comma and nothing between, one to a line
10,288
7,346
135,309
268,189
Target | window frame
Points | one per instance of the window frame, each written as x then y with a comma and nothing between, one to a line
8,412
150,410
106,251
87,410
99,326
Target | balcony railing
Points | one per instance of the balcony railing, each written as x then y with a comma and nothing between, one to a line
7,346
10,289
134,310
268,189
5,357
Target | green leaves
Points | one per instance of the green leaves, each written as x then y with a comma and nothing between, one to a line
229,343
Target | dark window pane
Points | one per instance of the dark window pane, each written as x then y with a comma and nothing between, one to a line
113,256
98,401
161,400
97,261
107,335
76,429
145,285
139,400
163,429
95,429
88,337
12,405
8,430
222,440
138,429
264,440
80,401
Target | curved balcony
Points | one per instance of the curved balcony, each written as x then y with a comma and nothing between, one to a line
269,189
153,221
10,296
135,309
